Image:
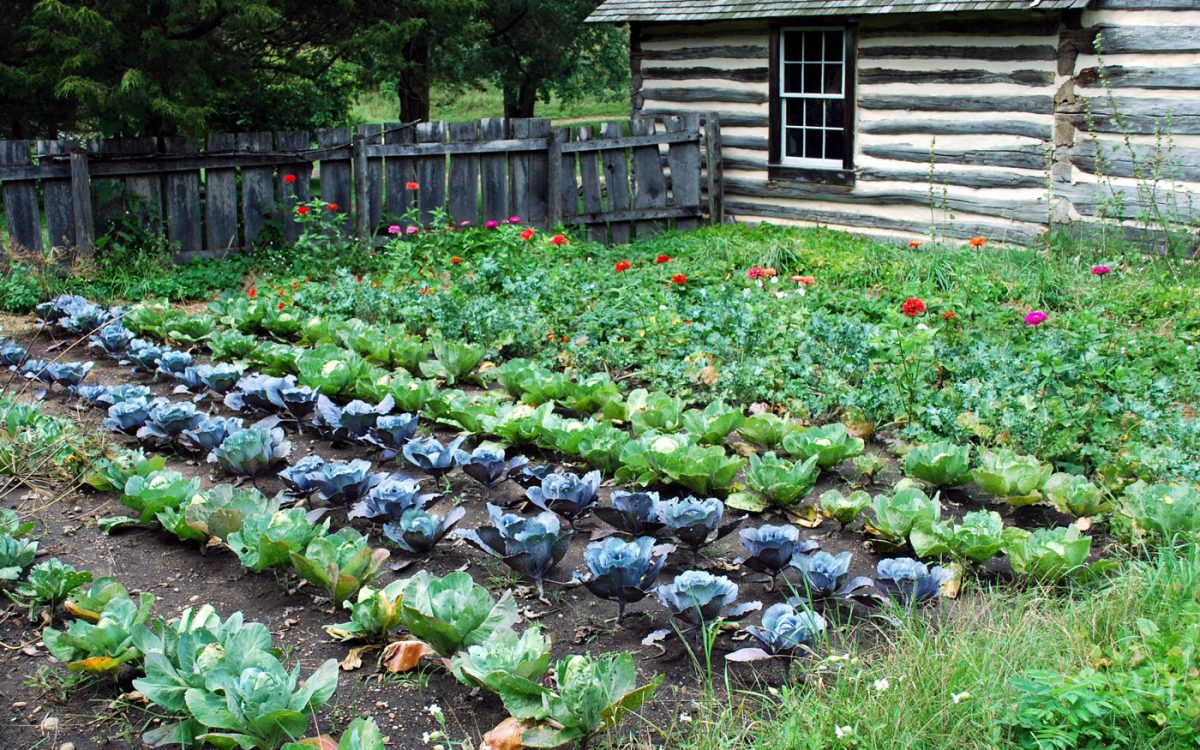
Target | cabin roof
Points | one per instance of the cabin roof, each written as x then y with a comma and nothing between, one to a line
618,11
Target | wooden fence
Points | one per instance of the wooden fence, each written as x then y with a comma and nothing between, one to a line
220,195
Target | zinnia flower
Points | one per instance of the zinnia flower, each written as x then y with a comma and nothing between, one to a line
912,307
333,207
455,260
288,179
412,230
1035,318
805,280
410,185
514,220
623,265
527,234
252,293
302,210
491,224
280,306
1101,270
662,259
756,272
394,229
915,243
977,242
558,239
465,223
679,279
949,315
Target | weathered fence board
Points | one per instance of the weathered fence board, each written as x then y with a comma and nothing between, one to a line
225,191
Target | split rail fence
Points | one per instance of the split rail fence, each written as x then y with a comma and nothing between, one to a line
618,181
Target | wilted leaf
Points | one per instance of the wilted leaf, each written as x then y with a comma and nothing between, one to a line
709,375
954,582
505,736
323,742
1083,523
747,654
808,516
403,656
353,659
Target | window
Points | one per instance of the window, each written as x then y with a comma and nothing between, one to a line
811,97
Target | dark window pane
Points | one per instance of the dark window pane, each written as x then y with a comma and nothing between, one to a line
793,142
833,79
792,83
812,46
812,79
835,114
834,140
794,109
833,46
813,114
793,45
812,144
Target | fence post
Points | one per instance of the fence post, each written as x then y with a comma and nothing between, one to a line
362,189
716,177
81,204
554,175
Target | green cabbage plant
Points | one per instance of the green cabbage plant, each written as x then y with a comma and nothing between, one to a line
104,645
152,494
1158,513
942,464
15,555
452,361
1046,554
1073,494
48,585
831,444
897,514
330,369
714,423
374,614
453,613
216,513
268,540
978,538
596,442
675,459
340,563
844,508
112,472
766,430
504,653
775,482
1017,479
653,411
361,734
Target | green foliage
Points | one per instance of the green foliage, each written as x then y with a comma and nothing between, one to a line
1017,479
766,430
217,513
453,613
775,482
267,540
653,412
1074,494
1046,554
87,604
330,369
714,423
452,361
361,734
374,614
844,508
101,646
339,563
48,584
158,491
977,539
113,472
942,464
831,444
15,555
674,459
896,515
1158,513
504,653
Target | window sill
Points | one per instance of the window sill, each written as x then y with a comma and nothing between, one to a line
843,177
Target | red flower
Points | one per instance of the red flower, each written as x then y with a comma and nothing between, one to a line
302,210
949,315
803,280
977,242
558,239
306,279
289,179
623,266
332,207
455,260
410,185
527,234
565,339
280,306
679,279
280,292
662,259
915,243
912,307
252,293
358,279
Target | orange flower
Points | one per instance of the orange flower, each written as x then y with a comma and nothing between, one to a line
455,260
410,185
425,291
977,242
528,234
679,279
805,280
375,284
662,259
769,272
949,315
915,244
332,207
565,339
558,239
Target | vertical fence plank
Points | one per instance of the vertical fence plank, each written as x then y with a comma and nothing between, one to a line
564,196
81,204
59,210
527,170
616,181
684,161
335,173
431,171
715,167
650,185
108,193
220,198
293,193
464,175
589,177
493,171
21,198
145,192
362,188
258,186
373,135
398,171
184,226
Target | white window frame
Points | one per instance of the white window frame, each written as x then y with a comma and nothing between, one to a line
784,97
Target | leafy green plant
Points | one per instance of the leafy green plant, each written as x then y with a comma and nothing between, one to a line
1017,479
1046,554
831,444
591,695
766,430
216,513
1073,494
87,604
156,492
897,514
101,646
15,555
330,369
653,411
775,482
231,345
339,563
942,464
453,613
48,584
844,508
504,653
452,360
267,540
112,472
361,734
374,614
714,423
673,458
1158,513
978,538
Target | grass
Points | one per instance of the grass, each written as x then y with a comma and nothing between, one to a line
473,104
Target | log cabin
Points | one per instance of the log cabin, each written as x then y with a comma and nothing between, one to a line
1001,118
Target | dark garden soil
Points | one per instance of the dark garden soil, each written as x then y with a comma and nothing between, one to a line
37,710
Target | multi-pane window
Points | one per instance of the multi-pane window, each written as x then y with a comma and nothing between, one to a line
812,97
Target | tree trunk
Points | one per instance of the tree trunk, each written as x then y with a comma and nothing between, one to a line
520,103
412,86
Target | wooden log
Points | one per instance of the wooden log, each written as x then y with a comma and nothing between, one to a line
81,205
335,173
1143,162
464,175
493,171
373,135
185,229
258,187
1180,116
1018,157
589,177
973,178
705,94
431,172
729,52
1114,40
21,199
616,182
645,215
957,126
1017,53
753,142
529,174
1042,105
684,161
59,209
220,199
1119,77
880,76
361,172
554,178
951,24
654,139
293,193
715,168
398,171
650,185
744,75
728,119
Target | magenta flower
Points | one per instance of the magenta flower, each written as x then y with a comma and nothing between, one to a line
491,224
412,230
465,223
757,272
1035,318
1101,270
514,220
394,229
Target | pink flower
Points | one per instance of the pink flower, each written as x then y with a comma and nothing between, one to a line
412,230
514,220
1035,318
465,223
491,224
394,229
1101,270
757,272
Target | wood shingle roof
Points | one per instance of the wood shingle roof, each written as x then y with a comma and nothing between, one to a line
617,11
